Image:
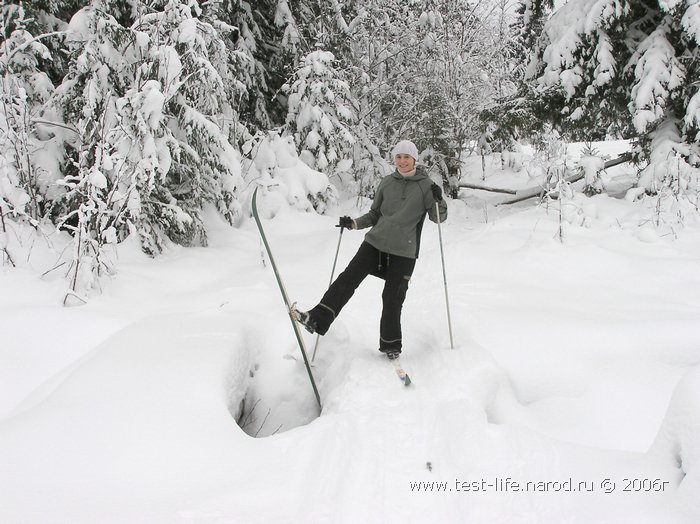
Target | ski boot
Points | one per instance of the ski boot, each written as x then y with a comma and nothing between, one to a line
391,354
304,318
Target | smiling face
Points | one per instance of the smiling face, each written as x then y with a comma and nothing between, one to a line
404,163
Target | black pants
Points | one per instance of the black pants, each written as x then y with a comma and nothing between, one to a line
396,272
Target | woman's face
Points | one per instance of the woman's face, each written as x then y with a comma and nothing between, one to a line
404,163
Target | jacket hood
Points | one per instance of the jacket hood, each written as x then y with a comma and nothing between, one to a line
421,174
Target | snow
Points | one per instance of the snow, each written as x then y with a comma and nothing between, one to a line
8,186
691,19
575,370
591,165
677,441
658,72
576,57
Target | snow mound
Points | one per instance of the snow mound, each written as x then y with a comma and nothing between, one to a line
678,441
150,403
272,162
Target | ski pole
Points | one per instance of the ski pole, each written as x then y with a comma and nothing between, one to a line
335,261
444,276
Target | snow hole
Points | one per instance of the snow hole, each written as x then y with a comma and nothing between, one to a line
277,397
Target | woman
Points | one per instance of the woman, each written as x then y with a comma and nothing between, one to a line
390,248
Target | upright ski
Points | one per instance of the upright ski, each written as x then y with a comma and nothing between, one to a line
285,297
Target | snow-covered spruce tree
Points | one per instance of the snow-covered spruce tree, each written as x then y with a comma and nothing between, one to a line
207,167
246,58
321,114
517,115
45,20
530,20
233,64
151,148
341,26
262,56
616,66
23,91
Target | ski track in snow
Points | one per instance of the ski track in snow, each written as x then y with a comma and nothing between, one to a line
140,428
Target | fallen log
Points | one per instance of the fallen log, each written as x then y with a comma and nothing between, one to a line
487,188
525,194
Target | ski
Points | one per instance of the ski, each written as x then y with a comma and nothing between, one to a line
403,376
285,297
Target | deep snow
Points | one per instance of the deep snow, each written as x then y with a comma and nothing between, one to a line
568,355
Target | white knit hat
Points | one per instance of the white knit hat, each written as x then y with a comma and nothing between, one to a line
405,147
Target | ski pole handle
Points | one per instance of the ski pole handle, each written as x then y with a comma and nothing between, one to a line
346,223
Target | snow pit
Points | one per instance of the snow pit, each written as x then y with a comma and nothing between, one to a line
263,411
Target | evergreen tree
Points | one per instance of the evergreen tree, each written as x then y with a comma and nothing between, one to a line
324,25
531,17
516,115
150,106
365,43
24,88
262,57
620,68
321,114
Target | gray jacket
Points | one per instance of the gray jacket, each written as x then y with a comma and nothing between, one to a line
398,212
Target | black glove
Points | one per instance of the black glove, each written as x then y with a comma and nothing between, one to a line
346,222
437,192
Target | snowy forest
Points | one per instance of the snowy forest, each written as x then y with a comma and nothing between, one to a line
129,116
